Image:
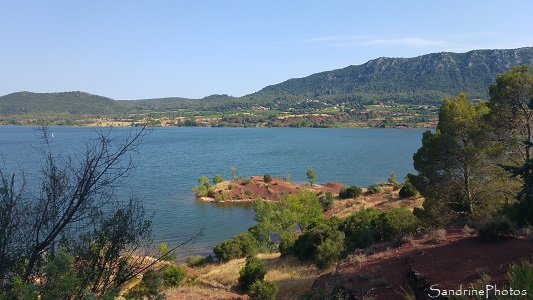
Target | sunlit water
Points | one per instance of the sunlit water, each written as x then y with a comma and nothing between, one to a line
172,159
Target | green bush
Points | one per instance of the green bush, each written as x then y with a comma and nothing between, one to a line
392,179
520,276
166,255
202,189
149,287
241,245
323,244
253,270
326,200
408,190
262,237
61,281
374,189
433,213
247,181
267,178
172,275
220,196
361,229
217,179
496,229
397,221
311,176
263,290
194,260
370,226
286,244
350,192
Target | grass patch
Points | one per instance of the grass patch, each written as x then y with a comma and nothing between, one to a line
292,277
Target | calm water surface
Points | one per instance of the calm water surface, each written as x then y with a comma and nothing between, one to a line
172,159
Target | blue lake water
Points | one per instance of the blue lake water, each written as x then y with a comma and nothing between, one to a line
172,159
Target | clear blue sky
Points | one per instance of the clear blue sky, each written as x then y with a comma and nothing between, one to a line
152,49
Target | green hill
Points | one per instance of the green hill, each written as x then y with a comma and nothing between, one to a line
425,79
53,103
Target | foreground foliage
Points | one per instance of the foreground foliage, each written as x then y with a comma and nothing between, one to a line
253,270
241,245
72,238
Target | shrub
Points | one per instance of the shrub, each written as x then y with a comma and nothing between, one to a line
202,189
350,192
437,235
286,244
254,269
61,281
149,287
241,245
311,176
326,200
198,260
263,290
247,181
217,179
361,229
329,251
520,276
357,259
392,179
166,255
172,275
262,237
267,178
369,226
323,244
220,196
396,221
408,190
496,229
374,189
433,213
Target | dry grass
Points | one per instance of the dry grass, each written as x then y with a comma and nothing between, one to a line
292,277
388,197
226,274
436,236
200,293
358,259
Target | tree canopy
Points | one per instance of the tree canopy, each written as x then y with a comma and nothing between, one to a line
74,219
463,167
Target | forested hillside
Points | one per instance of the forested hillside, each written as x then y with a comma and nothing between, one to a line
420,81
424,79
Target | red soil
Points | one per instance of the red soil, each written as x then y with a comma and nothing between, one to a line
253,187
459,260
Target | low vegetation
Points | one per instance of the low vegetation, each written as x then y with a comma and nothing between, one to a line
80,241
385,92
350,192
460,177
476,168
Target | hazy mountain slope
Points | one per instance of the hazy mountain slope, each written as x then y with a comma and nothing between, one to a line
64,102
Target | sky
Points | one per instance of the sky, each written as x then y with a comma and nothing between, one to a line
154,49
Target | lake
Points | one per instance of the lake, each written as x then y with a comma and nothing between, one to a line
172,159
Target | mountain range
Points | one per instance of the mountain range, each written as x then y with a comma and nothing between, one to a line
425,79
